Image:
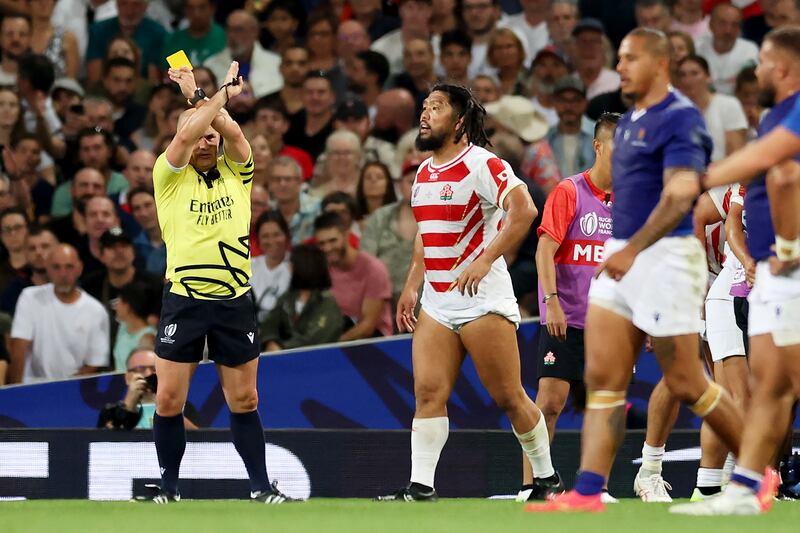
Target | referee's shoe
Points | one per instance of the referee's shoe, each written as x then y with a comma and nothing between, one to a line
157,495
271,497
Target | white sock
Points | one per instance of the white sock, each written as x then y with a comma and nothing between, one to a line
727,470
536,445
652,457
709,477
428,436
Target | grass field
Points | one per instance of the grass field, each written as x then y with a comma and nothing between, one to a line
329,515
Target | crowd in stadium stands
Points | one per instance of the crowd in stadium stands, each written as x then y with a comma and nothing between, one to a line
333,92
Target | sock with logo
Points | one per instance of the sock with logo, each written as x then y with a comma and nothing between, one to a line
248,438
170,438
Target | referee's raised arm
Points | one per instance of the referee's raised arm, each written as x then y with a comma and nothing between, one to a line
194,123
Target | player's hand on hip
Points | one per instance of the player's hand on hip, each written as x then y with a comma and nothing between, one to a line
184,77
406,321
236,82
617,265
468,281
779,268
556,319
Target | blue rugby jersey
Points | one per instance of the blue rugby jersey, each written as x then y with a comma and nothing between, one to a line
669,134
760,231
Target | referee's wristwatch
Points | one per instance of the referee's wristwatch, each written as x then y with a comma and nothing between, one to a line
199,94
547,297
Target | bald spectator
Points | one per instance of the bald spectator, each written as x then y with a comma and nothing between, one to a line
202,38
272,120
130,22
368,13
294,69
351,38
415,17
256,64
394,114
101,215
315,122
727,53
590,59
58,330
688,17
366,75
532,23
71,228
561,20
653,14
15,42
151,252
39,244
418,76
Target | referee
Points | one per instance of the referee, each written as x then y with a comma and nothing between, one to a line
203,203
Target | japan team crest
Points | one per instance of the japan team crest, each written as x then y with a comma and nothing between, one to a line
446,193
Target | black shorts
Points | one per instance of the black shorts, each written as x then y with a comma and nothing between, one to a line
229,325
741,309
561,359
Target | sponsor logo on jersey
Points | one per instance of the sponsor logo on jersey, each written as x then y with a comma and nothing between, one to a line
434,176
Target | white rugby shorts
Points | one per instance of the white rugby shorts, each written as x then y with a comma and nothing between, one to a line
775,306
724,337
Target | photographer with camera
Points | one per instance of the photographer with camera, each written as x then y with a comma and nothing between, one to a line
136,410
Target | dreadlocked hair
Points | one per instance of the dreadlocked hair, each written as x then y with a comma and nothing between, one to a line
470,109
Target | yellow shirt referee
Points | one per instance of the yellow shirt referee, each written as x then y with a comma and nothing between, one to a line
203,204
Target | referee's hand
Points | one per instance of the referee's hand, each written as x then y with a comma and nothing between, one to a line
233,88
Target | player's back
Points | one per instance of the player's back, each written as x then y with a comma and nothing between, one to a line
670,134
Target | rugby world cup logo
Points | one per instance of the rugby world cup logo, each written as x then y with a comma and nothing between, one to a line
169,331
589,224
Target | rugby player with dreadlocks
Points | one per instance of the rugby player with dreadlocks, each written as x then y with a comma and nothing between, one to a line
470,209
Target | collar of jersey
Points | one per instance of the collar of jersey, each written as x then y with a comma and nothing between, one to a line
452,162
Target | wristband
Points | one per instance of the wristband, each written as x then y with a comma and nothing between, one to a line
547,297
787,250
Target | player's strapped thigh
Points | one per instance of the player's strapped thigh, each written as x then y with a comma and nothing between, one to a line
708,401
604,399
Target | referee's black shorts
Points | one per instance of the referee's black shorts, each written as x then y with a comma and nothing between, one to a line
229,325
561,359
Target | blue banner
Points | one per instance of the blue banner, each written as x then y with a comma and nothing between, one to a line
364,385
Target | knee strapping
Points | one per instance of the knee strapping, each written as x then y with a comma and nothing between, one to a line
708,401
604,399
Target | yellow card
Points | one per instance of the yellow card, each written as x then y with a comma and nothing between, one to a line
178,60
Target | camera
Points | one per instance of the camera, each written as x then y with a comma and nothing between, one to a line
152,382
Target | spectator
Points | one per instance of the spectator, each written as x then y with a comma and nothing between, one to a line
653,14
407,149
549,66
366,74
480,18
681,46
389,232
748,93
727,53
688,17
151,252
34,81
306,314
272,120
13,234
315,122
138,172
242,106
11,122
119,77
32,190
262,155
352,115
590,59
368,14
6,198
342,162
15,42
39,244
132,311
443,16
351,39
418,75
394,115
375,189
271,272
202,37
294,69
281,21
321,45
256,65
298,208
206,80
58,331
95,150
570,139
344,205
723,114
486,89
532,23
415,17
101,216
122,47
130,22
162,97
71,228
60,46
117,255
455,56
360,282
563,16
66,93
259,204
506,55
136,410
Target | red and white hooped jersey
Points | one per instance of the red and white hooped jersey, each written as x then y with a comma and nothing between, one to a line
716,247
458,207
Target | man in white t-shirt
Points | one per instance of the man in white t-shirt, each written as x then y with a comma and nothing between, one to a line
532,23
590,58
727,53
58,330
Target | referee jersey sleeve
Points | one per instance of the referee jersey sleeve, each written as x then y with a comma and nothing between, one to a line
243,170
